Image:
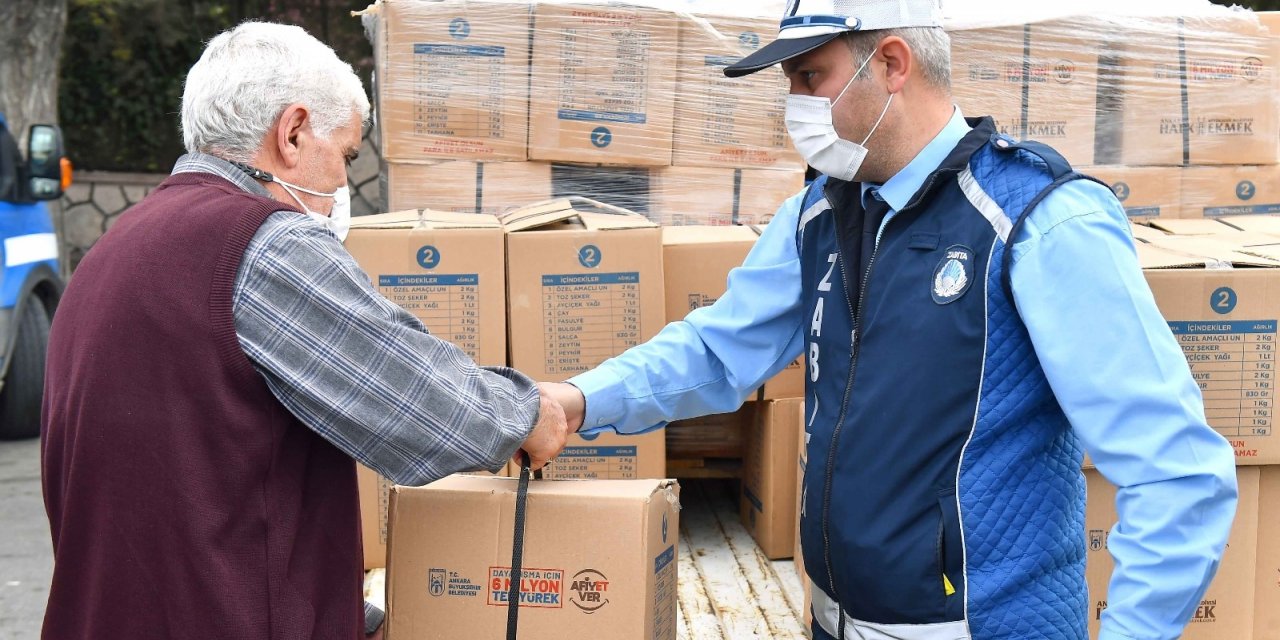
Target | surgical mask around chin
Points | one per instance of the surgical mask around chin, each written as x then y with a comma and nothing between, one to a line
339,219
813,132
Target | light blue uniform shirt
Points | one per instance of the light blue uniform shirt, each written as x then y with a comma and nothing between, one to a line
1109,356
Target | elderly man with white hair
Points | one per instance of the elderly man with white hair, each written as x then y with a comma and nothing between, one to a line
219,360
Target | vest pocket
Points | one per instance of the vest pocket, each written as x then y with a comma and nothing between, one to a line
950,554
922,241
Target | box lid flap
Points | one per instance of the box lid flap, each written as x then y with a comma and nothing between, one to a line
1270,251
1199,252
575,212
1256,224
426,219
1144,232
1191,227
636,489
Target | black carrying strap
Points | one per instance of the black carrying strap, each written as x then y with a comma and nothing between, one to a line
517,547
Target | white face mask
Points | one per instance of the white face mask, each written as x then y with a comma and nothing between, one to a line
340,216
339,219
813,133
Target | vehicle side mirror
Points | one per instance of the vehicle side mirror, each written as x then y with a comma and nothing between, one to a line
48,170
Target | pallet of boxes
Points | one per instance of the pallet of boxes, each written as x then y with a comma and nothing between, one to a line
566,178
1180,115
1217,282
575,131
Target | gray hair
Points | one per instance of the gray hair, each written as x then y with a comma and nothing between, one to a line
930,45
248,75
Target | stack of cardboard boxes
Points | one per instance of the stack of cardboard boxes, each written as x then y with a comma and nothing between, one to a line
489,107
1179,115
1217,283
554,289
485,107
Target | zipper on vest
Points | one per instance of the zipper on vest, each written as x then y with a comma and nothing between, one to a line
844,409
855,342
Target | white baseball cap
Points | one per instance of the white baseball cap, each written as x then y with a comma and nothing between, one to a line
809,24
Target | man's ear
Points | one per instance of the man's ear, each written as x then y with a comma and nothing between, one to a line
899,62
295,122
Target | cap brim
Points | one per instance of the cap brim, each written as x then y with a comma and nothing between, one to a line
777,51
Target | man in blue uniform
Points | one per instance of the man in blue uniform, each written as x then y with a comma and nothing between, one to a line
973,319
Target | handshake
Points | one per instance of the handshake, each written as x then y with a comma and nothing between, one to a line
560,413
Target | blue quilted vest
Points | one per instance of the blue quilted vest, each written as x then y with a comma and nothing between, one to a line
943,497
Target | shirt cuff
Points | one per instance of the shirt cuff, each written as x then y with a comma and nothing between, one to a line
604,392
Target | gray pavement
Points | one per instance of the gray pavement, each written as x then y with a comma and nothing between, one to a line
26,557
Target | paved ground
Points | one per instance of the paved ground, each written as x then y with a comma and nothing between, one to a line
26,559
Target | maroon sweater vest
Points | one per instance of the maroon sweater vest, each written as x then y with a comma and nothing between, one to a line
184,500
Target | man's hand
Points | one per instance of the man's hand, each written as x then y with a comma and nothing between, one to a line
548,436
569,397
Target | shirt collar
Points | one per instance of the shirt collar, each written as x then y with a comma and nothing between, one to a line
205,163
898,190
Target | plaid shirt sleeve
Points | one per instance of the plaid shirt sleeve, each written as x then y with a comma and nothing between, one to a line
364,373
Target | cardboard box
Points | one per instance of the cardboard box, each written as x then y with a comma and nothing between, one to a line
1226,611
722,436
375,505
1219,111
450,559
767,507
610,456
444,268
1212,192
466,187
1145,192
453,80
1039,82
584,285
603,84
697,261
729,122
719,197
1266,623
1225,320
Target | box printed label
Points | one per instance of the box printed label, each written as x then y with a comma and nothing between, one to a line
539,588
589,591
443,582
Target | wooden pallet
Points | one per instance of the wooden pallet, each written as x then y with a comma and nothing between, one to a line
728,589
703,468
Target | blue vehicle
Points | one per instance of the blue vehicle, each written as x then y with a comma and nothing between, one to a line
30,285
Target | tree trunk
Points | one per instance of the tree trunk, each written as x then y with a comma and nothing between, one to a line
31,34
